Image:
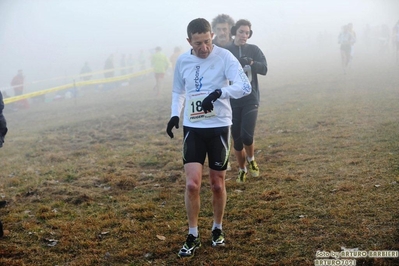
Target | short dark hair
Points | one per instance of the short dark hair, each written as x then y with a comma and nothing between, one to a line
222,18
243,22
198,25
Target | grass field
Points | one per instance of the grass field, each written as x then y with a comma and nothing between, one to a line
98,181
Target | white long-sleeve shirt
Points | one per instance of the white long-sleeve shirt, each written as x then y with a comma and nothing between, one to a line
195,78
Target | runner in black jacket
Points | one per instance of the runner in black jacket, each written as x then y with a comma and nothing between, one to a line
3,132
3,123
245,110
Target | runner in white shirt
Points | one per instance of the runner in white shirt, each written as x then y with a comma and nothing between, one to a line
197,77
201,87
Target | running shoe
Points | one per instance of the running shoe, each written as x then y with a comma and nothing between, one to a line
253,168
217,238
242,176
189,247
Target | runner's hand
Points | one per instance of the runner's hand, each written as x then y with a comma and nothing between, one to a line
207,103
173,122
245,60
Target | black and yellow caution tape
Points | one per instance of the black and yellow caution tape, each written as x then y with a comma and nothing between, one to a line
75,84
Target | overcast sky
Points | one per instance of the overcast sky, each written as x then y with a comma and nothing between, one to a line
48,38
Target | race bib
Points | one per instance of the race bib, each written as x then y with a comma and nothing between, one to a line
194,107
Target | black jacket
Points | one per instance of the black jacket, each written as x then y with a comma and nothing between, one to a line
3,123
259,66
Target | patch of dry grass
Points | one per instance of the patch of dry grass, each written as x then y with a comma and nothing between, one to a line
100,183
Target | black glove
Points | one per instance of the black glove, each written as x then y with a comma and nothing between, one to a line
173,122
207,103
245,60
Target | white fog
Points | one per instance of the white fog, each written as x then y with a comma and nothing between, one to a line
50,39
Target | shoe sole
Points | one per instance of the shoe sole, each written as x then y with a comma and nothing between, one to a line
254,175
189,257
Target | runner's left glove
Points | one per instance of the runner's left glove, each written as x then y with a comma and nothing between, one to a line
173,122
207,103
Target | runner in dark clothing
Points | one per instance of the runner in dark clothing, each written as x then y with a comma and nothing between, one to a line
3,132
3,123
245,110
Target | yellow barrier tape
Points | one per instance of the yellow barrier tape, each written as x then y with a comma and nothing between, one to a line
76,84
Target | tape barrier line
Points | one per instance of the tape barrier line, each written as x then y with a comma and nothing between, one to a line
75,84
6,88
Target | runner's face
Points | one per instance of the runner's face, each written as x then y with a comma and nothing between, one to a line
222,31
242,35
201,43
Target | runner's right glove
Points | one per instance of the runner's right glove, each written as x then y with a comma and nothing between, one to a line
173,122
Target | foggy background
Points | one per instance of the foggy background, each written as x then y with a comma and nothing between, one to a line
53,38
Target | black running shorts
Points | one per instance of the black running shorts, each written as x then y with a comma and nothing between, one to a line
214,142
